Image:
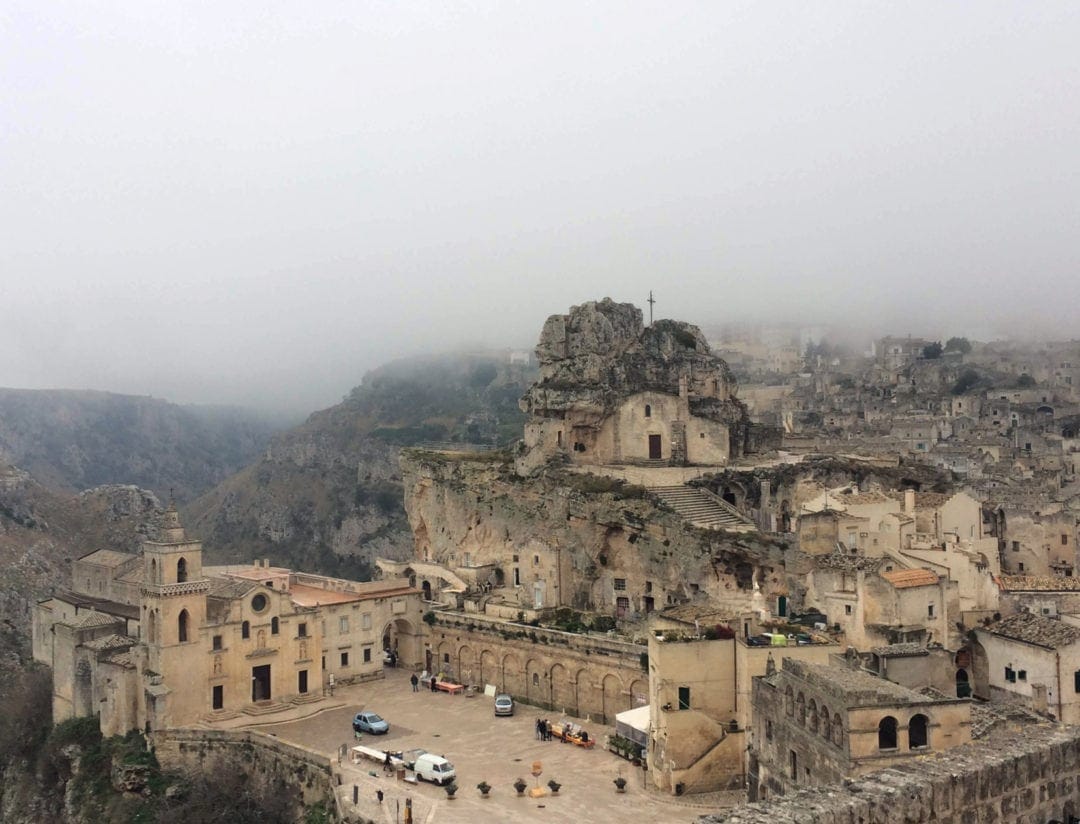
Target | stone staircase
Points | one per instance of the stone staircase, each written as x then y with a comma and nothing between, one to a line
702,509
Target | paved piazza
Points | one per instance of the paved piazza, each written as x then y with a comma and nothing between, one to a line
482,748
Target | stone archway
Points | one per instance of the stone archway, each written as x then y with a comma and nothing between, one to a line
562,693
489,669
466,665
614,700
403,639
639,692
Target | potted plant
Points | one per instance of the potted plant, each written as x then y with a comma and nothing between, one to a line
450,788
520,786
554,786
484,788
620,784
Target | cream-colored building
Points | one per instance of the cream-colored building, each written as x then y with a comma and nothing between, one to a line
194,643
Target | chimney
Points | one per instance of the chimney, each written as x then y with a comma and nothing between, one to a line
909,501
266,562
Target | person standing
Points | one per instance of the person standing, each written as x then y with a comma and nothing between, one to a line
415,682
434,688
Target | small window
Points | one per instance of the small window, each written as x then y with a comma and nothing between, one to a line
1076,681
917,732
930,610
1010,674
1015,546
648,411
620,584
887,733
367,655
768,729
536,679
301,630
245,630
446,657
259,602
536,560
217,642
344,659
794,766
1022,675
274,626
1021,565
365,619
343,625
847,609
1064,540
684,698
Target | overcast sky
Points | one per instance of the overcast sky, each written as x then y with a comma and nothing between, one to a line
255,202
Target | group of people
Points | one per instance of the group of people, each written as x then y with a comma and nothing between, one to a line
545,731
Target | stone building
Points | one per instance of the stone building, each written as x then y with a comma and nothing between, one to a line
1032,660
612,391
178,642
816,725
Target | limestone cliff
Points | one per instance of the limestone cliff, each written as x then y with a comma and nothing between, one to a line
326,496
586,541
601,353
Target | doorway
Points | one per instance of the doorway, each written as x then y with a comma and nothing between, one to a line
302,682
654,448
260,683
219,697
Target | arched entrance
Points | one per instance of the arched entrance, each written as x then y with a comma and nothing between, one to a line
401,638
426,587
614,701
963,686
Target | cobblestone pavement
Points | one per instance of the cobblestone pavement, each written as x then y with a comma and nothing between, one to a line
482,748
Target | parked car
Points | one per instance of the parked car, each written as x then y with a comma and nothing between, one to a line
370,722
504,705
434,768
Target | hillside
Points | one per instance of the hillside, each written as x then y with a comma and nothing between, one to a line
74,440
327,495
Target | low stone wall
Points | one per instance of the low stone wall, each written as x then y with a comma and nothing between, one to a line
1023,777
258,755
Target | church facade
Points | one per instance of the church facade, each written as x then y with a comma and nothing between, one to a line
157,640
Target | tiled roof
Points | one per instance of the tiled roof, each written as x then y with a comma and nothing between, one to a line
864,498
848,563
1038,583
1035,629
110,642
230,587
904,578
107,558
93,619
901,650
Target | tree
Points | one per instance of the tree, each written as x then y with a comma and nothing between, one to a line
968,378
961,345
1025,381
932,351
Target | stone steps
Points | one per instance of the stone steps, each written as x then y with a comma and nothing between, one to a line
701,509
265,708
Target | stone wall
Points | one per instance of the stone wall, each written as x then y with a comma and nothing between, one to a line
257,755
1027,776
587,676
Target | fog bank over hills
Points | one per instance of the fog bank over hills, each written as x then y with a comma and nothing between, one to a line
257,205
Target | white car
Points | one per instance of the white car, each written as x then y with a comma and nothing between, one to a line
504,704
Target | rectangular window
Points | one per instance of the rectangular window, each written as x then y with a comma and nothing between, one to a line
517,577
930,610
847,609
367,655
301,630
536,560
622,607
620,584
684,698
794,766
343,625
344,659
1064,540
217,642
1021,565
1015,546
1010,675
768,728
1022,675
1076,681
365,621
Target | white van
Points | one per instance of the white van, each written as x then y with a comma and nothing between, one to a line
434,768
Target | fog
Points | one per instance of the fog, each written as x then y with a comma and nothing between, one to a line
256,202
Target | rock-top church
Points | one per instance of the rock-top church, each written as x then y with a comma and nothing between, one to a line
157,640
613,391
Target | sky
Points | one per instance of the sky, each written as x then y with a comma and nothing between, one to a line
256,202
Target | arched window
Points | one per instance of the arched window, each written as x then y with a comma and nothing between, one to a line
153,571
245,630
918,732
812,716
648,411
536,679
182,626
274,625
837,730
181,571
886,733
789,701
825,722
800,709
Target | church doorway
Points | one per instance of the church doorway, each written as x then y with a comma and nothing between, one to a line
654,448
963,685
260,683
426,587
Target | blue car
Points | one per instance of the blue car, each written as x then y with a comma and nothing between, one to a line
370,722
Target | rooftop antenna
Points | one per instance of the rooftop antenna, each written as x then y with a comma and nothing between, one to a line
650,302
